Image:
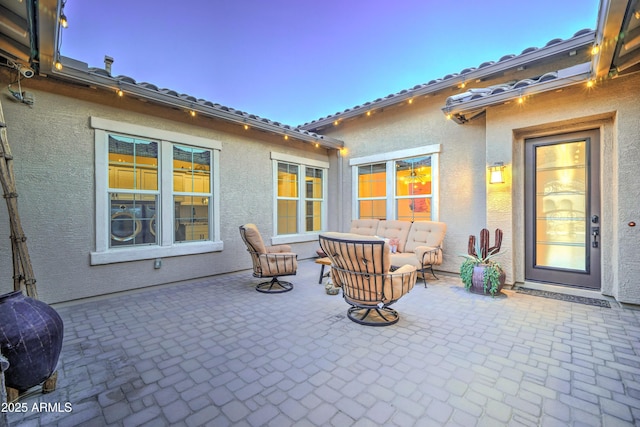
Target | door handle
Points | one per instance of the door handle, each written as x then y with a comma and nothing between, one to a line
595,232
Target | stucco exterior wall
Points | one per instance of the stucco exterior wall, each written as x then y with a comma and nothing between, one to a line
612,107
461,163
53,147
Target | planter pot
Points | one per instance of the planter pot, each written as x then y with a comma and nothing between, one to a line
477,281
31,335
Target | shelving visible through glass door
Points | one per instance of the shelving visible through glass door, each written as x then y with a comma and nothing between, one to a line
561,203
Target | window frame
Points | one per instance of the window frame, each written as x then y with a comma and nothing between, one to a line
165,247
302,163
389,158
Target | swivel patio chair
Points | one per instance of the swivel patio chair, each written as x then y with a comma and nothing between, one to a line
361,267
269,261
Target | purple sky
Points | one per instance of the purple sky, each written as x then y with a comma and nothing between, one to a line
298,60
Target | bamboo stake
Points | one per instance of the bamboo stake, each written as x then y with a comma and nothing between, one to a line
23,277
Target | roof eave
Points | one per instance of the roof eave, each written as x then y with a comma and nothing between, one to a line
610,18
569,45
571,76
84,76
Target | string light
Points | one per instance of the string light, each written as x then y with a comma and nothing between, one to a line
246,126
595,49
58,65
63,21
192,113
119,92
286,137
590,83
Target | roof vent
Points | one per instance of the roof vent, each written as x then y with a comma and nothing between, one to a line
107,63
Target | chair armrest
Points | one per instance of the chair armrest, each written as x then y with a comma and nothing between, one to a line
427,254
399,282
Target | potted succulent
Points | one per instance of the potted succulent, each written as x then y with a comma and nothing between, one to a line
479,272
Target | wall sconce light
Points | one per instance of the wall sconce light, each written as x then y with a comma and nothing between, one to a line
496,173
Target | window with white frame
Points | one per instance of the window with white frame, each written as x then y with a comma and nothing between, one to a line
397,185
300,196
156,193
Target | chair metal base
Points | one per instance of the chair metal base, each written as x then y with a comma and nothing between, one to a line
275,286
373,316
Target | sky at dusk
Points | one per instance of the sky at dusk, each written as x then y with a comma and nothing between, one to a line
295,61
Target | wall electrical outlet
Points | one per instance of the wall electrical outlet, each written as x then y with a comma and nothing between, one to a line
157,263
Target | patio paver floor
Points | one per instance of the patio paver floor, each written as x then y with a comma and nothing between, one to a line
216,352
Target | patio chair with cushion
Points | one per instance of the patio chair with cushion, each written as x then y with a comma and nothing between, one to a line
360,265
269,261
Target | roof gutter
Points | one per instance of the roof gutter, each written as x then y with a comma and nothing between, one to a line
71,72
461,112
482,72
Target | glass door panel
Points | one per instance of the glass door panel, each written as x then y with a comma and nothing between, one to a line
561,203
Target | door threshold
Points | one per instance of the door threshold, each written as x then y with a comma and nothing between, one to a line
567,290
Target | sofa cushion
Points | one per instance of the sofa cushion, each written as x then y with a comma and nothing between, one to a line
404,258
393,229
364,227
425,233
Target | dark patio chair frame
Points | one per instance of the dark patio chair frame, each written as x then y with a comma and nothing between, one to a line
363,290
281,265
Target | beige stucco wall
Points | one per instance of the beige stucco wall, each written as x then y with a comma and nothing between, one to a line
461,163
613,107
468,203
53,146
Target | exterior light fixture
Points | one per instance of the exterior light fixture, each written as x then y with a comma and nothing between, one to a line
496,173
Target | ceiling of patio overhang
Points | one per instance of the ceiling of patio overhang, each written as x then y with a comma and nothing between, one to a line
29,32
618,38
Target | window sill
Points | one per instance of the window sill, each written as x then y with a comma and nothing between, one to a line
151,252
294,238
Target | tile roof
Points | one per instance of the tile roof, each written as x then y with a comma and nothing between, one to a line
510,61
78,70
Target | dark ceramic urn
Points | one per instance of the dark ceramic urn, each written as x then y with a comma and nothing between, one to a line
31,335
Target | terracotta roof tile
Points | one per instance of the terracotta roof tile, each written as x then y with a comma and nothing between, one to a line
405,93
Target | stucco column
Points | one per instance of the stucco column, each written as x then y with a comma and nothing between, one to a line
500,200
